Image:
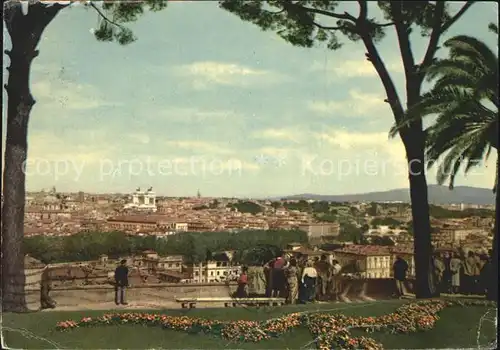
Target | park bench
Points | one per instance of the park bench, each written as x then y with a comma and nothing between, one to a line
229,302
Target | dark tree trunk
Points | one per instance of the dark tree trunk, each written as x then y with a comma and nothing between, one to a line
25,33
414,141
424,287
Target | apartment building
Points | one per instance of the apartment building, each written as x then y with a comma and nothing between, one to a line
151,260
319,233
214,271
374,261
369,261
456,235
135,223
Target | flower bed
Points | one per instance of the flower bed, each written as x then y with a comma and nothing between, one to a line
331,331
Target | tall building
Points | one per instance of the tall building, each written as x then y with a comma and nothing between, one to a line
143,200
81,197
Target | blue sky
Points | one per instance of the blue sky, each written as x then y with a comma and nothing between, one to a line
205,101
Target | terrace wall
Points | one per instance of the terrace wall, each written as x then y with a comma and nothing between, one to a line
166,293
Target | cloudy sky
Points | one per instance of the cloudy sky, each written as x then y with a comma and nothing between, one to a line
205,101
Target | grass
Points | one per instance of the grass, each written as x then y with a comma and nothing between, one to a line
457,328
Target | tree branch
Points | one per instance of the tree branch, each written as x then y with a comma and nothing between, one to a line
457,16
104,16
374,57
437,30
345,16
403,34
385,24
325,28
363,11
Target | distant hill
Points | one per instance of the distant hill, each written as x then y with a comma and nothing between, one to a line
437,195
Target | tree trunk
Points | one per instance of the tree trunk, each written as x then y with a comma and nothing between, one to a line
414,141
25,33
424,284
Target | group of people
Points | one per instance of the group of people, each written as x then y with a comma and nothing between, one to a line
299,280
453,273
467,274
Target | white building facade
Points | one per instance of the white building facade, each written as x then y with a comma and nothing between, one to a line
143,200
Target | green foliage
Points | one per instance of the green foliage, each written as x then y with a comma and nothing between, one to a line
320,207
414,13
438,212
115,14
301,205
276,205
260,254
372,209
201,207
246,207
309,22
350,233
193,245
466,128
387,221
326,217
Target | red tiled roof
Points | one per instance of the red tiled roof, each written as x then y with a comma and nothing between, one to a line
364,250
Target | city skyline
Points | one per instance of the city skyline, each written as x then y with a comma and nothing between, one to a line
227,96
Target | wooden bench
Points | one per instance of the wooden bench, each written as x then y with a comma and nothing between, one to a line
230,302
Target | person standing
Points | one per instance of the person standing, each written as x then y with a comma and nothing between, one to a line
471,270
46,302
241,291
291,273
400,268
455,269
121,282
485,274
336,280
309,278
324,272
438,271
278,277
268,273
446,273
302,289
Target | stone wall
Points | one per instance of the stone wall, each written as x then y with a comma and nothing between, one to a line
165,294
159,294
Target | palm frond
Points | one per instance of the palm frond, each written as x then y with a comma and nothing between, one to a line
465,129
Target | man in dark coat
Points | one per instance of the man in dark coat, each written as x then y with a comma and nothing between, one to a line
324,276
400,268
46,301
121,282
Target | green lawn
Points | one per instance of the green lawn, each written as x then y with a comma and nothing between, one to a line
457,328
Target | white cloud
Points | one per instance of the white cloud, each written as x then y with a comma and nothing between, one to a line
359,68
376,151
140,137
48,146
67,95
289,134
194,115
358,104
201,75
355,140
200,147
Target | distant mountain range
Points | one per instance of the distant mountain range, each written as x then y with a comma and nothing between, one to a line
437,195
